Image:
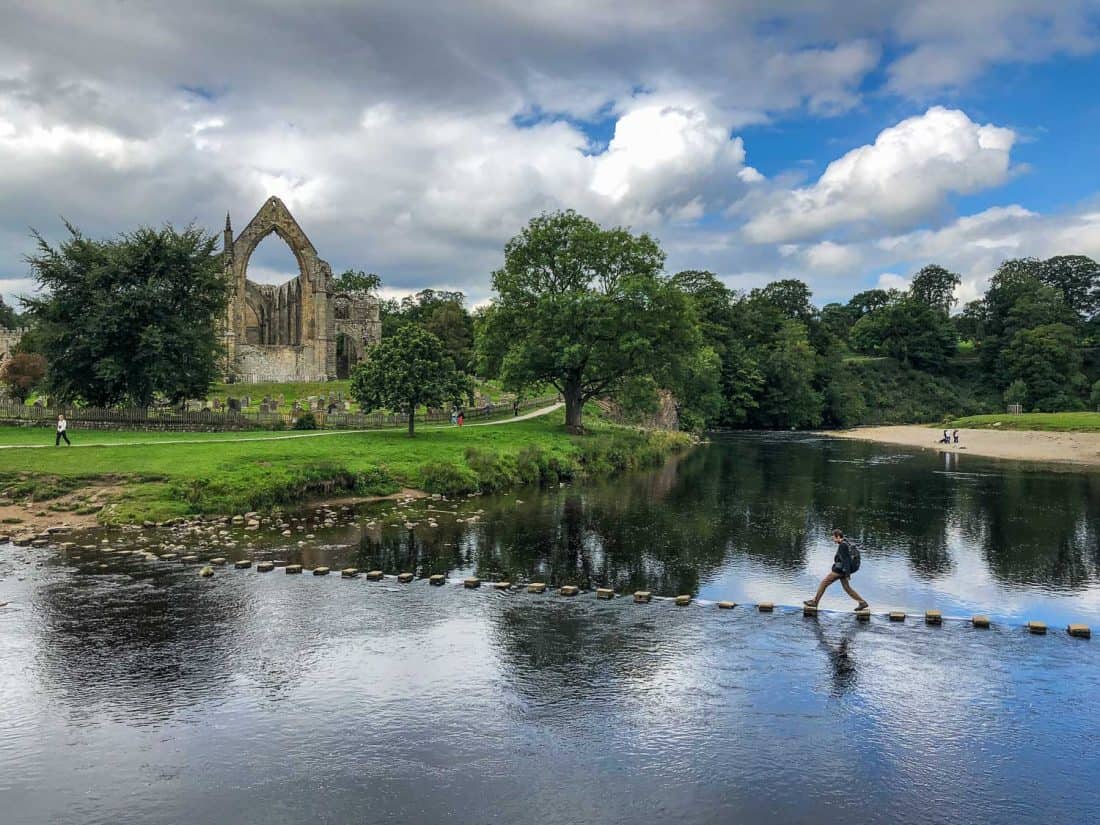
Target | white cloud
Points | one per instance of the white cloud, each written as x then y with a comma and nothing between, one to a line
904,176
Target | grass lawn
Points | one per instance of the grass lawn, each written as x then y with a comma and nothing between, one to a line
235,472
1069,422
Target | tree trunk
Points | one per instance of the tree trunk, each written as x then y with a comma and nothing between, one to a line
412,421
574,406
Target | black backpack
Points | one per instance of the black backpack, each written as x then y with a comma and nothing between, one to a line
853,551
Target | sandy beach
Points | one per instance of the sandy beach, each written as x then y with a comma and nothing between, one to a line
1024,445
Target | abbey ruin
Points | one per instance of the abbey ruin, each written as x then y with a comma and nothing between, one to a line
300,330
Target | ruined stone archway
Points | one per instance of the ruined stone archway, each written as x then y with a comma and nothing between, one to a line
278,333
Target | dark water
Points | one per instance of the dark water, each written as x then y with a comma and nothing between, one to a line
137,692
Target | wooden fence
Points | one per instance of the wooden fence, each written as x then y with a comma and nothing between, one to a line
175,419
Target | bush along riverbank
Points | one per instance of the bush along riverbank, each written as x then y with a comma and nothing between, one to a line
160,482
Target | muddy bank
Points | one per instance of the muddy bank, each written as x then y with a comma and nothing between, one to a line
1020,445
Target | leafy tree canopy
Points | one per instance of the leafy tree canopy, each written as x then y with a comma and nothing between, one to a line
935,287
406,371
356,280
584,308
912,331
21,373
9,318
128,319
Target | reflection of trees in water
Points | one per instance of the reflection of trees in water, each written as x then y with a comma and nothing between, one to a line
109,639
767,499
1036,528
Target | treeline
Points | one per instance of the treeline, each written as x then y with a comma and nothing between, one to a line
591,312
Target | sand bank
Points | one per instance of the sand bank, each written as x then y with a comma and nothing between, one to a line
1023,445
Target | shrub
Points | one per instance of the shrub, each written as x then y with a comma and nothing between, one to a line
447,479
1016,392
376,481
305,421
494,471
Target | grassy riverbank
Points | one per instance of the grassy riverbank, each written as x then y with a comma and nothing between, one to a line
152,478
1063,422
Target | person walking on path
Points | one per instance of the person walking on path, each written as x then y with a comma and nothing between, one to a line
62,425
844,565
461,418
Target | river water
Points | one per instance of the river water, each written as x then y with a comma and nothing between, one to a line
132,691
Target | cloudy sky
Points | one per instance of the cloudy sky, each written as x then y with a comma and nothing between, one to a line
844,143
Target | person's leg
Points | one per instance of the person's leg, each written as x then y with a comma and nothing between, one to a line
65,435
851,592
830,577
57,440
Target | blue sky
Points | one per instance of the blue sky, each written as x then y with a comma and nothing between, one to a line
414,140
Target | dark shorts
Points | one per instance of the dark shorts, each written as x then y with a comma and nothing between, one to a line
840,572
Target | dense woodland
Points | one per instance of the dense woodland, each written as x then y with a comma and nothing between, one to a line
591,312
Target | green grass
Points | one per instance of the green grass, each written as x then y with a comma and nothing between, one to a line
230,472
1064,422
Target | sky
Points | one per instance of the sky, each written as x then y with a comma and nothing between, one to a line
843,143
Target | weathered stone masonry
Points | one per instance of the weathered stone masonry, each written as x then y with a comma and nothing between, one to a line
300,330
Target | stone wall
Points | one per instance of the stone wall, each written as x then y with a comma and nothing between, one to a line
277,363
8,339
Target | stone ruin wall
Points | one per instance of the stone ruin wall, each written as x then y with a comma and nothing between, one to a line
9,338
290,332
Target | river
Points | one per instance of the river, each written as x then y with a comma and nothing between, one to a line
133,691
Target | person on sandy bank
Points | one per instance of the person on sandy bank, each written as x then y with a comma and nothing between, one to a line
62,425
845,563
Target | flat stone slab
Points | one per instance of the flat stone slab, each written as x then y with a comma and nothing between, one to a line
765,607
1081,631
320,571
981,622
727,605
642,597
501,585
536,587
437,579
471,582
863,615
242,564
809,610
374,575
683,600
349,573
933,617
219,561
897,615
569,590
291,569
1038,628
605,593
265,566
405,578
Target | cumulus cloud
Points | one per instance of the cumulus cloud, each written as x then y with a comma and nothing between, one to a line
905,175
415,139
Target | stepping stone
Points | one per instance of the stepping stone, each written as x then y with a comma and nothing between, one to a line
374,575
404,578
933,617
642,597
320,571
605,593
765,607
349,573
980,622
242,564
291,569
683,601
471,582
569,590
809,610
863,615
536,587
727,605
1080,631
265,566
897,616
1038,628
501,585
437,579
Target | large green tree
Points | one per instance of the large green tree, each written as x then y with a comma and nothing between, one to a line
128,319
1048,362
935,287
406,371
584,308
9,318
916,333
